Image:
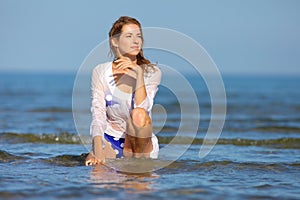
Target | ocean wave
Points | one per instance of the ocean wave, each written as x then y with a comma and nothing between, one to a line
195,165
61,160
71,138
284,129
8,157
67,160
51,110
239,126
285,143
61,138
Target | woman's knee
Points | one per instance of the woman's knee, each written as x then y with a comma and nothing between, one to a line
140,117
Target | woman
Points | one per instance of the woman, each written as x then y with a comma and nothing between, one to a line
122,98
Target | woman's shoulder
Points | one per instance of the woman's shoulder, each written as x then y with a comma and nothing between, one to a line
102,67
157,70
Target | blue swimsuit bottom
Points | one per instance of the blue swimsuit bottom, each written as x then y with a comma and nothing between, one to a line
116,143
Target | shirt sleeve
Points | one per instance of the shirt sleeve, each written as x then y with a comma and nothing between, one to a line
151,84
98,107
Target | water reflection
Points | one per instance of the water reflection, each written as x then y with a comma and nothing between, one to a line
104,177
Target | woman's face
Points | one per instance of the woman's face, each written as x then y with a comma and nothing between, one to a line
130,41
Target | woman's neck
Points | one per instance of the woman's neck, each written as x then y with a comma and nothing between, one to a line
132,58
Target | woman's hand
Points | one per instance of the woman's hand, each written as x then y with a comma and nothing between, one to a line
92,159
97,155
126,66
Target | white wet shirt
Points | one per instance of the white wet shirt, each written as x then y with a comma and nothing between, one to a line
110,106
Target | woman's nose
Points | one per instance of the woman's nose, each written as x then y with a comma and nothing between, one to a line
136,40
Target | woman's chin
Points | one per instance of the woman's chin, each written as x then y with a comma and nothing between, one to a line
131,54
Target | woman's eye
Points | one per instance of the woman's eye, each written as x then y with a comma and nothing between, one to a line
128,36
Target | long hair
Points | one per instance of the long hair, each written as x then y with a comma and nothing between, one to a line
115,32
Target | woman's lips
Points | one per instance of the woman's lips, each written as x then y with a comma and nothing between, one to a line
135,47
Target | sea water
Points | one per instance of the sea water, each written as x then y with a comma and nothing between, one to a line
256,157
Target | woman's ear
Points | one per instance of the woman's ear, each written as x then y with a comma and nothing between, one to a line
114,42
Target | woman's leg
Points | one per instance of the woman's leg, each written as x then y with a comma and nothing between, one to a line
138,134
127,151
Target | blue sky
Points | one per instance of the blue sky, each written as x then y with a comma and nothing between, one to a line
242,37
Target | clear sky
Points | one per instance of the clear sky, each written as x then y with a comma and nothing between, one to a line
242,37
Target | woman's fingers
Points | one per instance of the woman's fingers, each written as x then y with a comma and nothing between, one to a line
92,160
88,159
126,66
123,65
88,162
123,59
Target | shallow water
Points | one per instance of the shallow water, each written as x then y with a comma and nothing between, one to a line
256,172
257,156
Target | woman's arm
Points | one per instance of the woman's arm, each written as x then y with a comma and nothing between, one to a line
98,125
97,155
140,92
144,93
150,86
